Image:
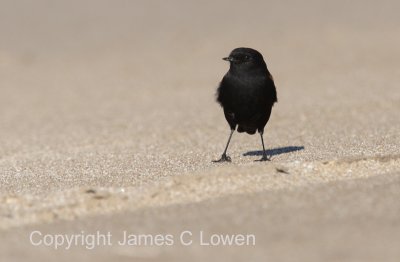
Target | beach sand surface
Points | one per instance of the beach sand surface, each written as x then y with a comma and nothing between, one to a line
108,122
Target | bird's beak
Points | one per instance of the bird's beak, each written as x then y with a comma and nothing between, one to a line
230,59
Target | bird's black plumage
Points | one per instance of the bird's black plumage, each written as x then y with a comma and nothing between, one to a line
246,93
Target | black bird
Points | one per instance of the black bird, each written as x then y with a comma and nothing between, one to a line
246,93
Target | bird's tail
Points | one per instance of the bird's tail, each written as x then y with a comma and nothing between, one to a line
247,129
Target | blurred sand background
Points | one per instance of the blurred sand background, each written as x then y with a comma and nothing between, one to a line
108,121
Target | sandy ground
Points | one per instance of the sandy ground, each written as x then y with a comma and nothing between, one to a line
108,122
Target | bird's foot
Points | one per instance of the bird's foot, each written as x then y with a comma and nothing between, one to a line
264,158
224,158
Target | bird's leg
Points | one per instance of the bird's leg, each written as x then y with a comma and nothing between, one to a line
224,157
264,157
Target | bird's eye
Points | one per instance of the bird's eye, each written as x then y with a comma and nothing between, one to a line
246,57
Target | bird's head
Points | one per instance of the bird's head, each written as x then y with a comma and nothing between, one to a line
245,59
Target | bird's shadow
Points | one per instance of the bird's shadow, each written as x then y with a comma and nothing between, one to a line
275,151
